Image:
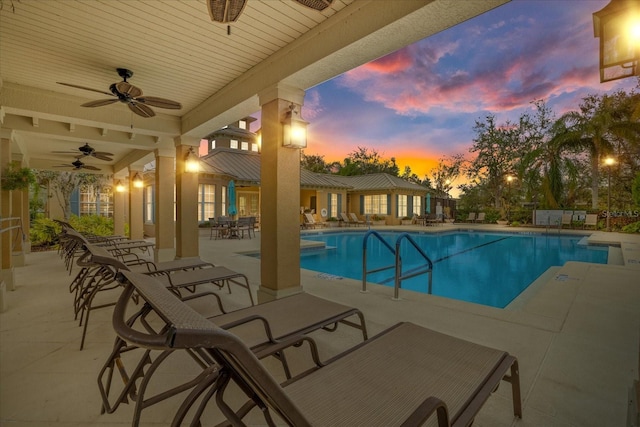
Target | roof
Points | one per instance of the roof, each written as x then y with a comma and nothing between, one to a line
244,166
378,181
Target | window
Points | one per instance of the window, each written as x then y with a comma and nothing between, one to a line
212,144
402,205
375,204
242,124
96,201
206,201
417,205
244,145
333,205
233,143
254,147
223,201
148,204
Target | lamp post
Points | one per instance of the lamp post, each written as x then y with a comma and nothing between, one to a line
509,179
609,162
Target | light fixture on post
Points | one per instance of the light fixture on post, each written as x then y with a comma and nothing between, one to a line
137,181
618,27
191,162
294,129
509,179
119,187
609,162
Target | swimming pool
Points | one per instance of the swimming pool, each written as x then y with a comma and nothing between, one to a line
480,267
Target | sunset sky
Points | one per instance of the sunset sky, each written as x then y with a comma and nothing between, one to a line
421,102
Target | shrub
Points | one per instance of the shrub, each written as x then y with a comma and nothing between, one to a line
376,217
44,232
634,227
515,223
92,224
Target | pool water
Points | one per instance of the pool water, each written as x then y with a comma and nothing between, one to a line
485,268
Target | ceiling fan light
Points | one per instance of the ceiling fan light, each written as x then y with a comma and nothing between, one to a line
224,11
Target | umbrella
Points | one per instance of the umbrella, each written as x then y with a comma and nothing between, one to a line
428,210
232,199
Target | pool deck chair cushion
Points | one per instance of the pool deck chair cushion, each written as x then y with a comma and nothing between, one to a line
403,376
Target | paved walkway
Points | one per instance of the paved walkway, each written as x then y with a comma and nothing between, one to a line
576,333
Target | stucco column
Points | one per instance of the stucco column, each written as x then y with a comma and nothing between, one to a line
17,239
280,194
163,206
119,207
136,218
6,265
186,200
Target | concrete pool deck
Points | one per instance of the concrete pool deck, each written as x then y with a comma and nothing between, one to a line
575,331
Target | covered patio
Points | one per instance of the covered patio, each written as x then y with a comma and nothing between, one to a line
575,332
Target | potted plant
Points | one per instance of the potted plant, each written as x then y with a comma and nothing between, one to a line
377,220
333,222
406,220
15,177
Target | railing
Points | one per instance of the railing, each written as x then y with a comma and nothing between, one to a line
10,227
398,276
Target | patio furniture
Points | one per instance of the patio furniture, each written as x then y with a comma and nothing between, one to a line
471,217
310,222
355,220
591,220
480,218
406,374
567,219
263,328
246,224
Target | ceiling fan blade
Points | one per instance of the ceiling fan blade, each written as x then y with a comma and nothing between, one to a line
129,89
160,102
225,10
101,157
103,153
89,167
99,103
315,4
141,109
85,88
64,152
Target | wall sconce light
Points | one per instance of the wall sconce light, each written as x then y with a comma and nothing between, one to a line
137,181
294,131
192,163
618,27
119,187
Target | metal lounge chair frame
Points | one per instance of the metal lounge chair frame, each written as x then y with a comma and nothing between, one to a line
405,375
262,327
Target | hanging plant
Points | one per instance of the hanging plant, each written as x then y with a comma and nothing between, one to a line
15,177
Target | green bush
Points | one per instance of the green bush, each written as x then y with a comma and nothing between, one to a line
92,224
634,227
44,232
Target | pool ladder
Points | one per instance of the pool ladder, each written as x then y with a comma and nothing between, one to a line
398,277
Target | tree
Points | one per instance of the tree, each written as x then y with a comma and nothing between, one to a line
314,163
365,161
63,185
447,171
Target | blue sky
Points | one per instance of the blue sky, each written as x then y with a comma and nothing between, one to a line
420,103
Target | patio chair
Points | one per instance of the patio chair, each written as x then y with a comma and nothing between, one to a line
246,224
355,220
406,374
480,218
471,217
310,221
567,219
591,220
262,328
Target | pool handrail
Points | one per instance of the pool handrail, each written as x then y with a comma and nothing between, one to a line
416,272
365,239
398,276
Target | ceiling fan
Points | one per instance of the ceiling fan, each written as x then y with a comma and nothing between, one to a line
129,94
87,150
229,10
77,165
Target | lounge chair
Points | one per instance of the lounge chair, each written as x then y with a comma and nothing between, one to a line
471,217
480,218
355,220
310,222
591,220
262,328
567,219
346,220
406,374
